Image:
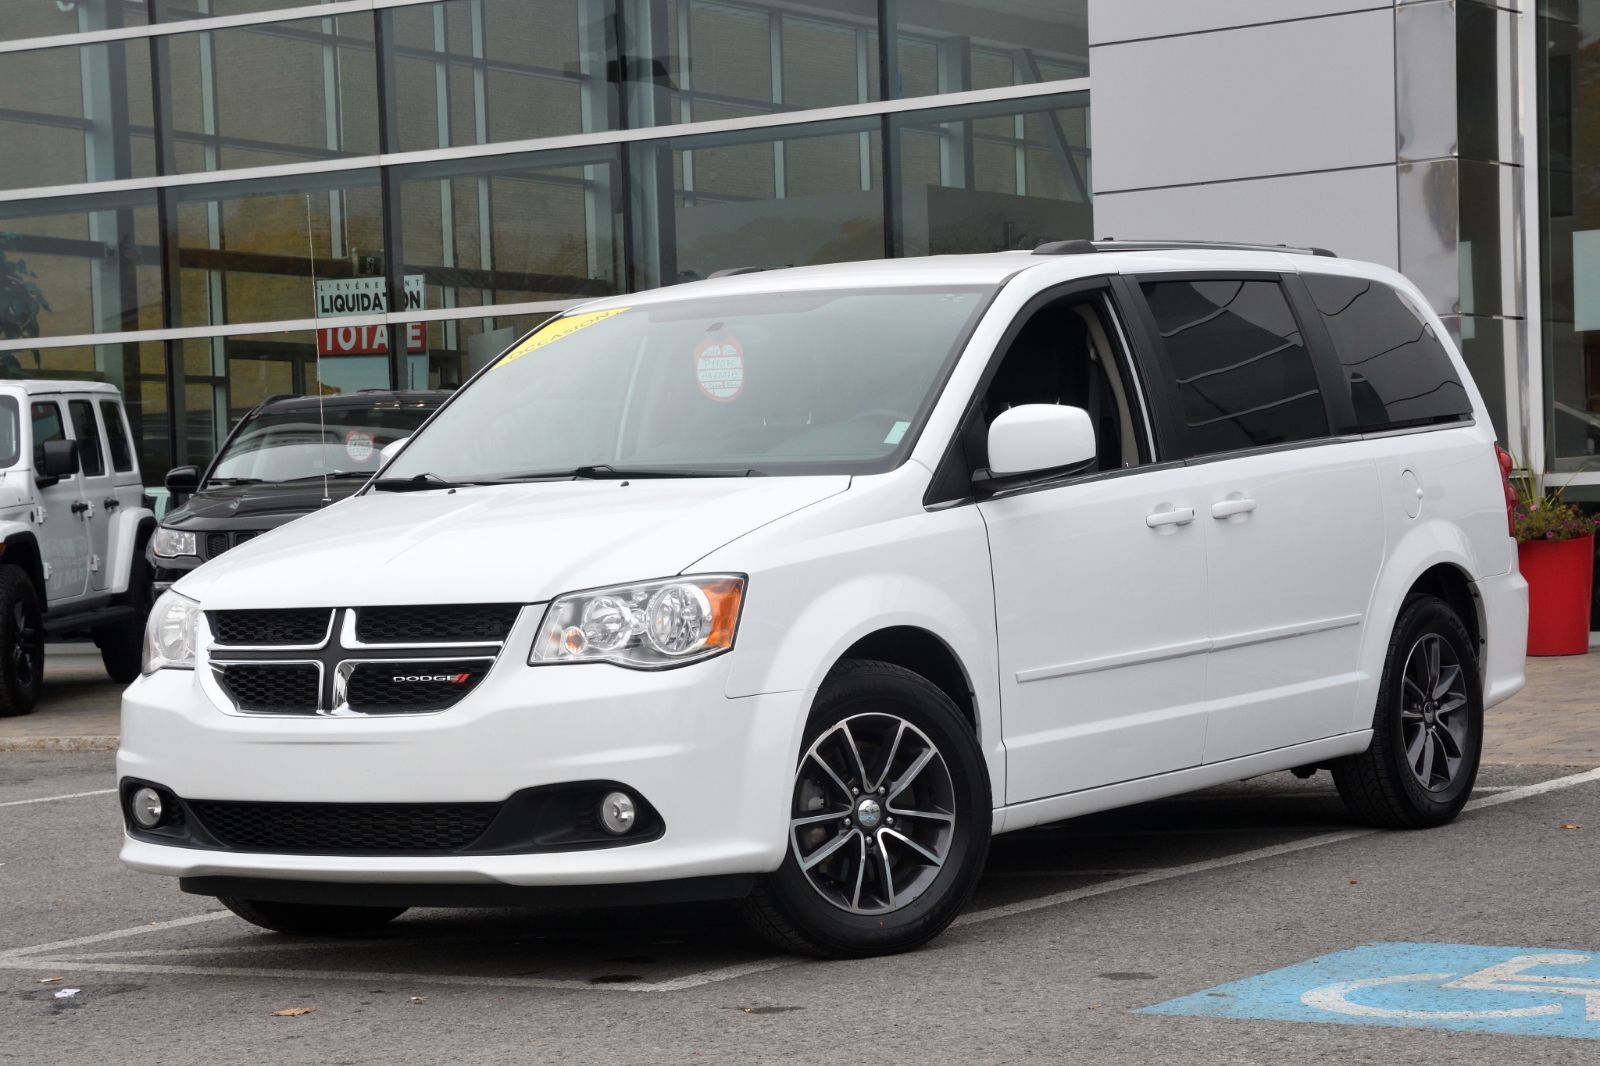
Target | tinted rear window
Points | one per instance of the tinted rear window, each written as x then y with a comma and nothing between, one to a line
1398,371
1243,374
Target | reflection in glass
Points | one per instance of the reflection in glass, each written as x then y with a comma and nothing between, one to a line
992,176
247,251
443,354
697,60
1569,199
514,228
761,198
477,71
320,76
21,19
1244,377
75,114
92,264
944,46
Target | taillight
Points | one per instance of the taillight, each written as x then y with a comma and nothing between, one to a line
1506,466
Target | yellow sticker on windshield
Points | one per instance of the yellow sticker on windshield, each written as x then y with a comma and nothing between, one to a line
556,330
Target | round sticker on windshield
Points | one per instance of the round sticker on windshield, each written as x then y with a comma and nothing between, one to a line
719,367
358,445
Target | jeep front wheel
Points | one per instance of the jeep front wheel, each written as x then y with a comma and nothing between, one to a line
21,643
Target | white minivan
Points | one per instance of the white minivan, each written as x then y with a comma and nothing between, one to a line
796,586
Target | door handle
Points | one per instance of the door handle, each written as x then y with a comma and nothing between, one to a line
1169,516
80,506
1232,506
112,503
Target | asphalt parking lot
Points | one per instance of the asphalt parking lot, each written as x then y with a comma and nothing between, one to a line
1076,931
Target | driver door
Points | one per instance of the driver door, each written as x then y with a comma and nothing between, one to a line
58,516
1099,578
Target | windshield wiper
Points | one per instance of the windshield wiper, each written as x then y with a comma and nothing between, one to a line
415,483
235,481
607,472
331,476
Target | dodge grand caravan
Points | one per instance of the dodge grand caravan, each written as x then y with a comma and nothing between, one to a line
796,586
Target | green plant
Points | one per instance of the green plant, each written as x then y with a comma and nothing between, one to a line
21,299
1542,514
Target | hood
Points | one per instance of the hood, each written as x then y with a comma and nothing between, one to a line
268,505
497,544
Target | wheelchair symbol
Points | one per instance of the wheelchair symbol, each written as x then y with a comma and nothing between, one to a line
1508,976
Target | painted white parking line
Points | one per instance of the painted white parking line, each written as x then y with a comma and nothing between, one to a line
48,957
53,799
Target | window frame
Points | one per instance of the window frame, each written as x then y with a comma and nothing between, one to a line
86,403
951,484
112,415
34,440
1336,405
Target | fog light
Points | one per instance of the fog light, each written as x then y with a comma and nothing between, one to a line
617,813
145,805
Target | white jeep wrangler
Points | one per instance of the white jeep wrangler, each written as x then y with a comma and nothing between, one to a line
72,532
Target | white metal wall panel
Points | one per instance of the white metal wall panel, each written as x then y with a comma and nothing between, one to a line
1262,100
1350,211
1124,20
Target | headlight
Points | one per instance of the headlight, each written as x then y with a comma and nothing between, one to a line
170,543
169,635
648,626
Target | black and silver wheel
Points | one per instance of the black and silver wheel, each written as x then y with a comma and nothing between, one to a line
888,823
21,643
311,919
1428,729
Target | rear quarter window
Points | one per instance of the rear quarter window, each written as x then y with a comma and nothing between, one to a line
1396,368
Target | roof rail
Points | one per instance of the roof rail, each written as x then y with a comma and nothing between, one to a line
1111,244
728,272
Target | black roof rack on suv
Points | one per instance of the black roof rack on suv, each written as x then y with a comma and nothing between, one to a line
1111,244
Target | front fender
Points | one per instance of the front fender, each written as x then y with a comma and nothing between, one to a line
127,532
804,610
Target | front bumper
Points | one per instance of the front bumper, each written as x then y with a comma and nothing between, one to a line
165,572
718,770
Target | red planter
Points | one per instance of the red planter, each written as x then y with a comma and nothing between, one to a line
1559,574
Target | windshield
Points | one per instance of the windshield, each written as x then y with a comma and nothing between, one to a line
771,383
291,445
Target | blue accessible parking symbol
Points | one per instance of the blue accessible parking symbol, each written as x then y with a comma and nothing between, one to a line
1520,991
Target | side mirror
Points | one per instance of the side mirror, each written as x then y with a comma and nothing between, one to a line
390,450
183,480
58,459
1039,437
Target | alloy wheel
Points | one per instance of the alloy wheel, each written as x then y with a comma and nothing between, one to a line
1434,723
874,814
25,646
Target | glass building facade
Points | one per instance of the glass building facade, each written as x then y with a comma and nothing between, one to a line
209,202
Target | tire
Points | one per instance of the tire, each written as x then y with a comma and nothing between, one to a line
121,643
831,910
311,919
21,643
1413,730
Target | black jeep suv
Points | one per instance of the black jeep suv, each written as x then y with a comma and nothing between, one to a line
288,457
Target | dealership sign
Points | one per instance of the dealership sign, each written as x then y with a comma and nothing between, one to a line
343,297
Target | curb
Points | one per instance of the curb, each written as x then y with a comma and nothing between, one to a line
83,743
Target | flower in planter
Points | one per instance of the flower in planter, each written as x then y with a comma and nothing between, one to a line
1542,514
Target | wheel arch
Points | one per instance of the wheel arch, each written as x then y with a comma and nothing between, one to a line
20,547
1435,558
925,654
